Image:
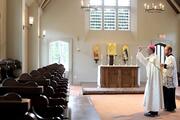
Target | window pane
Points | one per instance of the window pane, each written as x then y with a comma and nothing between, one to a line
160,52
95,2
109,2
123,19
59,53
96,19
162,55
54,55
123,2
109,19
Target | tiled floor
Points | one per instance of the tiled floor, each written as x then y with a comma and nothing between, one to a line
114,107
178,93
82,108
127,107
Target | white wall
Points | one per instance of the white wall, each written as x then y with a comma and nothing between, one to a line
178,48
65,19
14,29
151,25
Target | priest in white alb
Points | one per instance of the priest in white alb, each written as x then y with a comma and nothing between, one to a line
153,95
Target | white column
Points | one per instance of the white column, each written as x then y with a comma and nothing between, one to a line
2,29
39,35
24,37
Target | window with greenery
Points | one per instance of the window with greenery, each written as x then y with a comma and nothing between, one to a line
110,15
59,53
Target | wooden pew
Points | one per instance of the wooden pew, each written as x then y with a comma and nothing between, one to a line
54,99
13,107
40,103
47,89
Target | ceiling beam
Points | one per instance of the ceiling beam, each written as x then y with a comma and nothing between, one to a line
44,3
178,2
175,7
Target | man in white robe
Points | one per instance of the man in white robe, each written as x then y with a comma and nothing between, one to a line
153,96
170,80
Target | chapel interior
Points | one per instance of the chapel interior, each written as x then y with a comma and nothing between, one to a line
76,59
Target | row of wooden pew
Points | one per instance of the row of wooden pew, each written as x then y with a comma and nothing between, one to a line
40,95
9,68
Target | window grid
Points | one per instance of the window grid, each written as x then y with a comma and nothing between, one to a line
123,3
110,19
96,19
119,17
123,19
108,3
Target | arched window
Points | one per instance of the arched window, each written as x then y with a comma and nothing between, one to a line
160,51
59,53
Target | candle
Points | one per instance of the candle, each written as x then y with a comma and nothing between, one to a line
155,7
82,2
162,7
145,5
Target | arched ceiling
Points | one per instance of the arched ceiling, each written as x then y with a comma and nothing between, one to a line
175,4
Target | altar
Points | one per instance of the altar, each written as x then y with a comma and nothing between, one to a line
118,76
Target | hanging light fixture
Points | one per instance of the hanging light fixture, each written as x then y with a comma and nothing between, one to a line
85,5
154,7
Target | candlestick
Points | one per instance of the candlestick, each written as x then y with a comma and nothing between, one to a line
82,2
145,5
